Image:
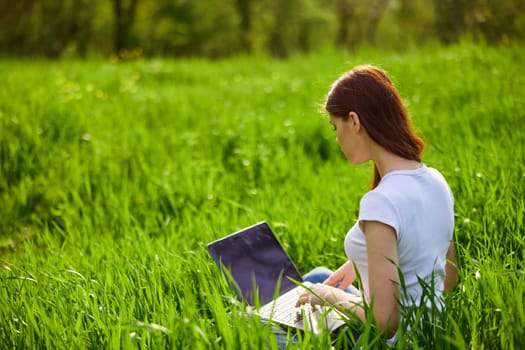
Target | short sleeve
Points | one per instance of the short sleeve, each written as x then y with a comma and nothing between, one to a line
375,206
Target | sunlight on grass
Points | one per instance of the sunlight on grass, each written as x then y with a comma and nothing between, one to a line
114,176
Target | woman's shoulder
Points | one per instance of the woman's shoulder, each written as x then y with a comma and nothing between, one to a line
402,180
412,186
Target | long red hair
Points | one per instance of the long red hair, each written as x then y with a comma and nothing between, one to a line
369,92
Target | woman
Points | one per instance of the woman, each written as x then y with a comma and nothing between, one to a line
405,221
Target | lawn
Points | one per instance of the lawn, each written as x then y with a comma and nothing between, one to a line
114,176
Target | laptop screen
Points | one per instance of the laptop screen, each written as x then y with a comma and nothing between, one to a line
254,257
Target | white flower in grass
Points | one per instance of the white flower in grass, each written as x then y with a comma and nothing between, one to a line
466,221
151,327
17,320
479,175
134,335
477,275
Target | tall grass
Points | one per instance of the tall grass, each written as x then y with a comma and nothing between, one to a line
113,176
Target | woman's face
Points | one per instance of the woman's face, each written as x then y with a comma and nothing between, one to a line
350,137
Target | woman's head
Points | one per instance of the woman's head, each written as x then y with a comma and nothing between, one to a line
368,92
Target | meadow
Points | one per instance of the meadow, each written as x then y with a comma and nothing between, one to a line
115,175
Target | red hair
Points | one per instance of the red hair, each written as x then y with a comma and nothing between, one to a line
369,92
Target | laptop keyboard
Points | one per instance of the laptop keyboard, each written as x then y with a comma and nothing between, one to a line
283,308
314,318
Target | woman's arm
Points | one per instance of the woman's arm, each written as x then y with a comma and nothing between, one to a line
383,280
383,277
451,268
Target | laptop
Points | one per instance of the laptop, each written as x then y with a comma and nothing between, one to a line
263,275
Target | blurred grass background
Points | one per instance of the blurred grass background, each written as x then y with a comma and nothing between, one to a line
209,28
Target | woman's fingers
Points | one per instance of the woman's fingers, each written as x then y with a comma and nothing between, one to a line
342,277
308,298
304,298
333,280
338,281
345,282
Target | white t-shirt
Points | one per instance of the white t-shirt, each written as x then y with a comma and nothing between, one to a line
419,205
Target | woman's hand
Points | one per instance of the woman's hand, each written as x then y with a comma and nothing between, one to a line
342,277
322,294
331,291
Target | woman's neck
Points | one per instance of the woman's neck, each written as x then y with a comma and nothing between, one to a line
386,162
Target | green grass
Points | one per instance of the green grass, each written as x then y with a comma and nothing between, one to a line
114,176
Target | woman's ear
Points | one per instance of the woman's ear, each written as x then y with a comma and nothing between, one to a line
355,123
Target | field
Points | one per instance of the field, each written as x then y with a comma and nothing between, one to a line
114,176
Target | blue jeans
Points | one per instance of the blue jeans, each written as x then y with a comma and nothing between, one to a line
317,275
